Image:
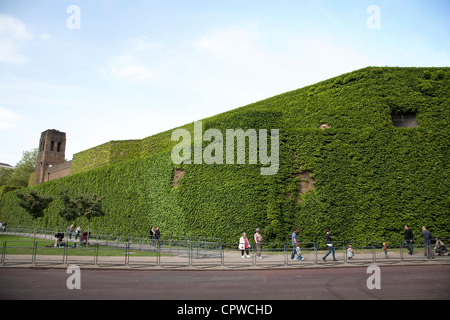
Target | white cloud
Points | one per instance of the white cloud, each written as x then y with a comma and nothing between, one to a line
45,36
250,59
8,119
235,45
223,69
131,71
135,62
320,58
142,43
13,35
234,66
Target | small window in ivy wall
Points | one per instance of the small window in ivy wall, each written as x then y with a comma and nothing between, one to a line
404,120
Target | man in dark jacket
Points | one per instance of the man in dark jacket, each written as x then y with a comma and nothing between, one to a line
427,236
408,239
330,246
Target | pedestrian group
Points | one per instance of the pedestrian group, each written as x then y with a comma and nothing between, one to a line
427,236
244,244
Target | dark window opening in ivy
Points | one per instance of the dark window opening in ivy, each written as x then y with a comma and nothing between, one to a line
404,120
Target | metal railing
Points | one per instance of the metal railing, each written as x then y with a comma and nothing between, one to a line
200,252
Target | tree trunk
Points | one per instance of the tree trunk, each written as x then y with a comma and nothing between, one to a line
34,236
89,231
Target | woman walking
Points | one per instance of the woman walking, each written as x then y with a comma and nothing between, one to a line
244,245
258,241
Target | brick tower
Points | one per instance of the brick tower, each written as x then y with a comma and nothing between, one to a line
52,148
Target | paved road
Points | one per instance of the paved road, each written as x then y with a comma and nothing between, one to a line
397,282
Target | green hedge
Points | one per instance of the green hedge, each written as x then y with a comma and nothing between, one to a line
369,177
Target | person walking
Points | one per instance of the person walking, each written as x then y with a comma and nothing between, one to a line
330,246
409,239
77,232
295,245
152,235
385,249
70,231
244,245
350,252
158,237
258,241
427,236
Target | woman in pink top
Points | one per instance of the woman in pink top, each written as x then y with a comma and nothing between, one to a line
258,241
244,245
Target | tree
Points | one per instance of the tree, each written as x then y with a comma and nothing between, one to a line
70,210
34,205
6,176
83,205
19,175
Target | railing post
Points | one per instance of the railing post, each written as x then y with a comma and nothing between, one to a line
401,251
315,252
373,252
188,244
95,253
254,255
158,258
127,253
33,252
66,248
3,253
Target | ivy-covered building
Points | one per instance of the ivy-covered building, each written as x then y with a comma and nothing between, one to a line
364,154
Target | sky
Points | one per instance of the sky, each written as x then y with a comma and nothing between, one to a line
108,70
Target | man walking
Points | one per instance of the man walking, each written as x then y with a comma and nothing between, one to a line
409,239
258,241
427,236
330,246
157,237
295,244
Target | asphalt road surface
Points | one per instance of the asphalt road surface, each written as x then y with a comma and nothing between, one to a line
395,282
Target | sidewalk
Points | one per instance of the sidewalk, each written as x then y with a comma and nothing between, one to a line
199,258
49,262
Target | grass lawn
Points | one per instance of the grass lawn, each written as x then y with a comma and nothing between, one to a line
23,245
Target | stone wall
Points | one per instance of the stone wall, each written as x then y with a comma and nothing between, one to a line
57,171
